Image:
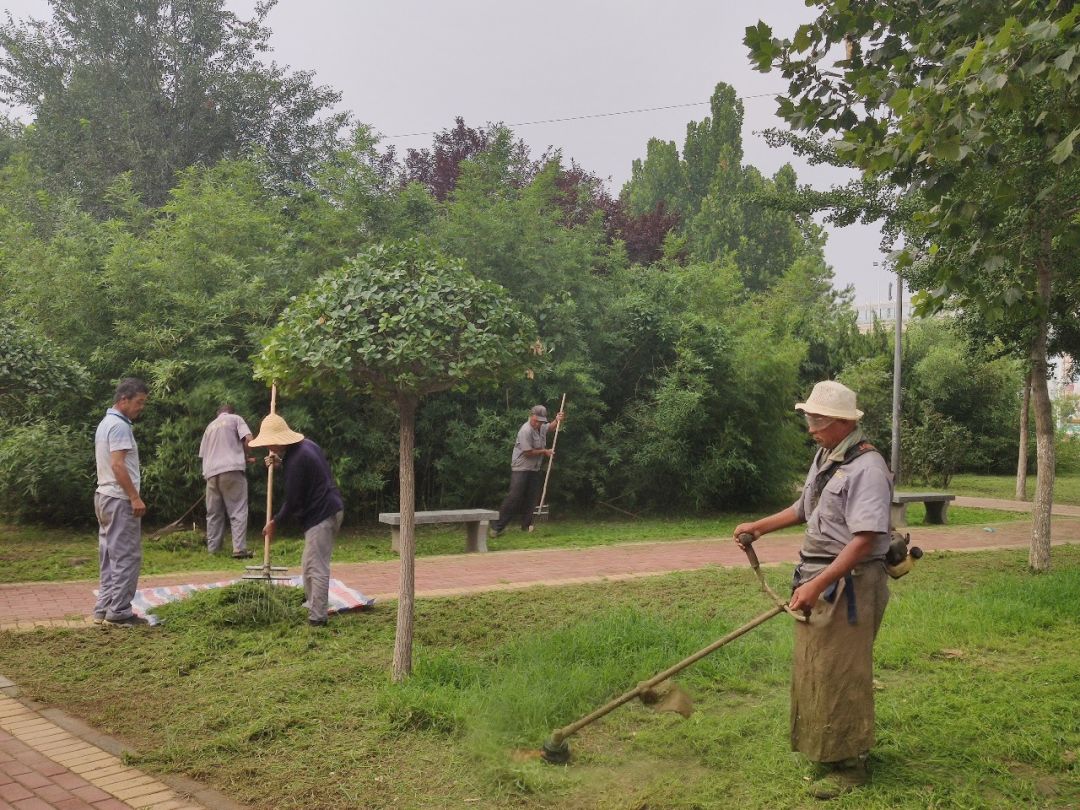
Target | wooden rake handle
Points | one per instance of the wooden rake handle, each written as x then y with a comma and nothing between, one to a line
551,459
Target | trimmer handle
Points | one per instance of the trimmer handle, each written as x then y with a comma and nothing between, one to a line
746,540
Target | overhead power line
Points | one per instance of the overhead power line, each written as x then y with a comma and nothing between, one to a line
589,115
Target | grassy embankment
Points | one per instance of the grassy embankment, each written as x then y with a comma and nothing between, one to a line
1066,487
977,707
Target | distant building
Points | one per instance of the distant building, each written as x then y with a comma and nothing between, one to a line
884,313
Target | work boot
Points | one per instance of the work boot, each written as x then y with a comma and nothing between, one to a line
841,778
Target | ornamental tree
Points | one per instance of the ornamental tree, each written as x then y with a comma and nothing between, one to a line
975,106
400,321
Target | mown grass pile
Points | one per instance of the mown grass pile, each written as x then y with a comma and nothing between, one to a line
245,605
977,707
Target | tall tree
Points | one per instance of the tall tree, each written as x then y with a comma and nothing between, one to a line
154,86
438,168
399,322
976,107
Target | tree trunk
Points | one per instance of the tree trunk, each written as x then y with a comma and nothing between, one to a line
1039,555
1022,454
407,543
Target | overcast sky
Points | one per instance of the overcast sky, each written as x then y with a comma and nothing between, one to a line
411,66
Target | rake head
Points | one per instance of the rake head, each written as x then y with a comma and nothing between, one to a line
267,573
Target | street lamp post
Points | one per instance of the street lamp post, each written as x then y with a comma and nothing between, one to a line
896,379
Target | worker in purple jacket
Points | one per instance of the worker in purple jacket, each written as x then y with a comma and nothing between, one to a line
312,500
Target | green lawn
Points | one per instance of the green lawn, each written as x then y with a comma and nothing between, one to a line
1066,487
977,707
31,554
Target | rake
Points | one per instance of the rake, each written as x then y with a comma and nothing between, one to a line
266,572
542,510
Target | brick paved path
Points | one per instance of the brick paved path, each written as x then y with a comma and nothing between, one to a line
23,606
45,766
1005,505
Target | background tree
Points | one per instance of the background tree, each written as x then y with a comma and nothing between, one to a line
975,107
399,322
154,86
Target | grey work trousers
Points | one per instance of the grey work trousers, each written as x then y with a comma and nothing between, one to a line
227,496
119,555
315,565
525,486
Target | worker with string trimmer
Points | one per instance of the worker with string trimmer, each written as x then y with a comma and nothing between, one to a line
841,583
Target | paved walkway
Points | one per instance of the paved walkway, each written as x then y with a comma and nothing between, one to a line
45,765
1008,505
25,606
48,760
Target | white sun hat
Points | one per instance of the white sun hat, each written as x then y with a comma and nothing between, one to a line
274,430
830,398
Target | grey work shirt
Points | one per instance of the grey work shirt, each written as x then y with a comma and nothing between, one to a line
857,499
222,447
114,433
528,439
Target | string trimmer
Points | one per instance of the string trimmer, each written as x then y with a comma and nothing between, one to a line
654,691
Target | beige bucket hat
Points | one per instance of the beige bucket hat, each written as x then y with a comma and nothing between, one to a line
274,430
830,398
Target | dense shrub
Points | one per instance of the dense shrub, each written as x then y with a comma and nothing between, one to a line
934,448
46,473
1068,454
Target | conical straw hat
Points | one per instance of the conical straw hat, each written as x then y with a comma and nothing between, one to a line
274,430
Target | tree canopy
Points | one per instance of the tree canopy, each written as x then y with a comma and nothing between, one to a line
974,108
151,87
399,321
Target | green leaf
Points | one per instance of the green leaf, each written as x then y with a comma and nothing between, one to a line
1064,149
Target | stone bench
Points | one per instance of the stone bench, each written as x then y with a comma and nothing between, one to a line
937,506
475,520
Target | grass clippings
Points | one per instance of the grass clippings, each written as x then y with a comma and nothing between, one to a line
977,707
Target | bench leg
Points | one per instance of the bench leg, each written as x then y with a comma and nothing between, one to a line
476,533
898,515
395,538
936,511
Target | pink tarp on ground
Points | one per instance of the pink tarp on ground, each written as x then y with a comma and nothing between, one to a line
342,597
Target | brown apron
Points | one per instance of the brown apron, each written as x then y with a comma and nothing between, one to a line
832,691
